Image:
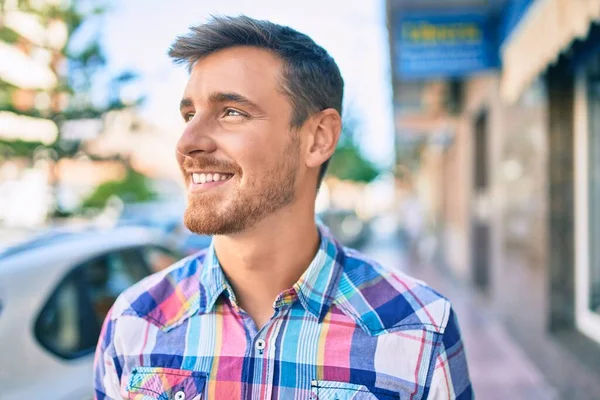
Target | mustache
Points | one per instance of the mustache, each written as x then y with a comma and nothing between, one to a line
210,162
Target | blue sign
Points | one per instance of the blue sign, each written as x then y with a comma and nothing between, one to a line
443,45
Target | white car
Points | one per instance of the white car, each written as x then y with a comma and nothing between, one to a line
54,294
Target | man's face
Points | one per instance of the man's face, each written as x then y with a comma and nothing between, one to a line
238,153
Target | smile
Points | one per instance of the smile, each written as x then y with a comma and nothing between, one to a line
208,180
201,178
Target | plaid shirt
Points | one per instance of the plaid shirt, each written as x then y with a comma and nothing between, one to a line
348,329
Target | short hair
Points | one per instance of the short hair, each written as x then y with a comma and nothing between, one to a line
312,79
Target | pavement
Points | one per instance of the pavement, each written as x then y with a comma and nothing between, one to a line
499,368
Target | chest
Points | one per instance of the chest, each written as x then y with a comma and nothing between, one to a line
294,356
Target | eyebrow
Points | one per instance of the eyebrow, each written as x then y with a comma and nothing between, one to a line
222,97
185,103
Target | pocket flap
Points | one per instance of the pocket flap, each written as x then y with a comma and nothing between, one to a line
332,390
165,384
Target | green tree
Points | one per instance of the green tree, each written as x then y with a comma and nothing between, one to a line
134,188
348,163
76,65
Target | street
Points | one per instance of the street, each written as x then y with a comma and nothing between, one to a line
499,368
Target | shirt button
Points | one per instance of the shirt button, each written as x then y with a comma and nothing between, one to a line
260,344
180,395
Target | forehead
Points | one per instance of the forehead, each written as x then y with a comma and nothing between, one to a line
249,71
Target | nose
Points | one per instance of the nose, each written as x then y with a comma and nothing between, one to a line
196,139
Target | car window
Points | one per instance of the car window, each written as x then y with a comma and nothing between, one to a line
109,276
66,326
70,322
158,258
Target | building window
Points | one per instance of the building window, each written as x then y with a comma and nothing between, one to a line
587,191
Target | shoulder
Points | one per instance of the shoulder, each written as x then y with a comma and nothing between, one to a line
382,300
165,297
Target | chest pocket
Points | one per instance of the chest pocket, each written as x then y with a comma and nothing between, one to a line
165,384
330,390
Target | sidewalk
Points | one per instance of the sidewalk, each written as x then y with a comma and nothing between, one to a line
498,367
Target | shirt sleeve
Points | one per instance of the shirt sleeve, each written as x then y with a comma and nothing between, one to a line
451,375
106,364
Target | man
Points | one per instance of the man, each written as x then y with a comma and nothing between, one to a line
276,308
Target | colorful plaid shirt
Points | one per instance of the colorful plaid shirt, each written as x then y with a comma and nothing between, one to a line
348,329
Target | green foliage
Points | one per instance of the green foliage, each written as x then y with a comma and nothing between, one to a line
82,113
134,188
78,83
25,149
6,92
34,112
71,16
86,62
18,148
347,162
115,101
90,57
73,13
7,35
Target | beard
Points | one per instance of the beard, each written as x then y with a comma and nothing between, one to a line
264,193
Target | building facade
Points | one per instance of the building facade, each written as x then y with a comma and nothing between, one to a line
514,190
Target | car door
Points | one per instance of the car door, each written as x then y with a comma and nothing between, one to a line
68,326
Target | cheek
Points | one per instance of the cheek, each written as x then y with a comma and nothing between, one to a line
255,153
258,164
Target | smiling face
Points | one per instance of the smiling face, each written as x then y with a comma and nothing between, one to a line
239,155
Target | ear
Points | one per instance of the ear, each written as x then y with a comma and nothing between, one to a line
324,136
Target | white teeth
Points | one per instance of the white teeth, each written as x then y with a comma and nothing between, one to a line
205,178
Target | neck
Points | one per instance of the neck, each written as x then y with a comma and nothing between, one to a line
268,258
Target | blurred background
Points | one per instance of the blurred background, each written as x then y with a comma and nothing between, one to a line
470,158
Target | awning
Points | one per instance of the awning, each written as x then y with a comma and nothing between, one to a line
547,29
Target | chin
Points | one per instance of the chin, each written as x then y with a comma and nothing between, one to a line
203,221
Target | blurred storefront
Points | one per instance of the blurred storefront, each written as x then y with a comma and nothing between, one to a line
504,98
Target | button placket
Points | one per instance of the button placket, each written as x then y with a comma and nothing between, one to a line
180,395
272,335
260,345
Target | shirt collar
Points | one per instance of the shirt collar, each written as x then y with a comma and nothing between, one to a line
315,289
212,281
